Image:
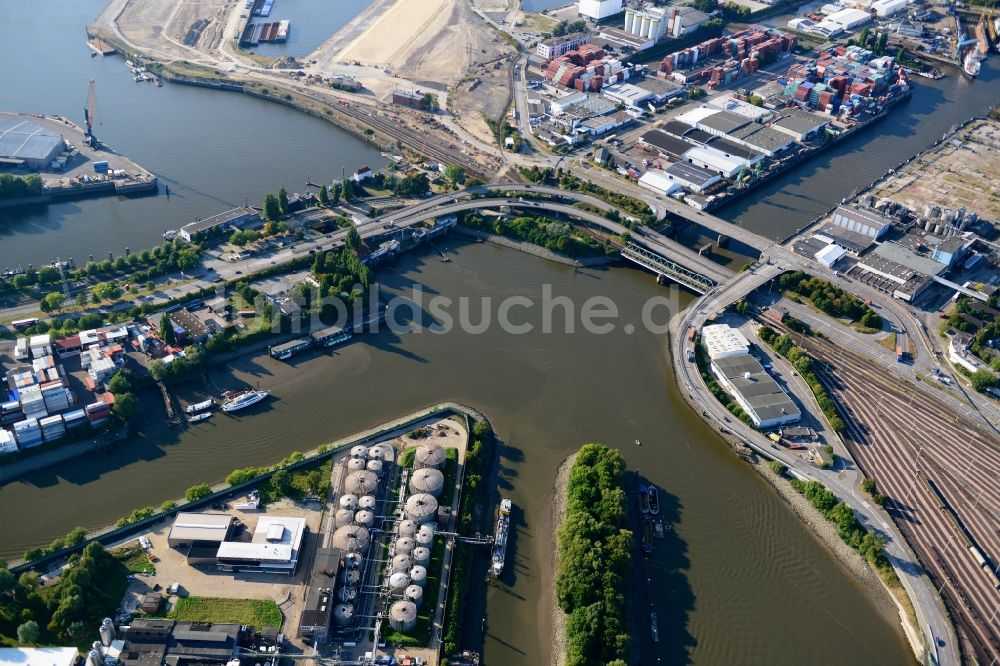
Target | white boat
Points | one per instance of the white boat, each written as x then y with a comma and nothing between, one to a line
500,542
199,417
972,62
170,234
244,400
198,407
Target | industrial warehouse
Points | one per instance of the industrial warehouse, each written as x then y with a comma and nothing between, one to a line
27,144
274,546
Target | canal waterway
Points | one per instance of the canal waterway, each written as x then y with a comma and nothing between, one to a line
740,578
215,150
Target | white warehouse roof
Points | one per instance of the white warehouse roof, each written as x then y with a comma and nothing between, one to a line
695,116
658,182
830,254
724,341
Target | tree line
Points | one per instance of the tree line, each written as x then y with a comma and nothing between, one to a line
15,187
830,298
595,555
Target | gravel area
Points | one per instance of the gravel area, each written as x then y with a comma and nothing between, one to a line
558,516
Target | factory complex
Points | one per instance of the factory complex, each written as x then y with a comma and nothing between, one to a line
28,144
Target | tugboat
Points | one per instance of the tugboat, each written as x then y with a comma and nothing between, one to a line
654,500
500,544
244,400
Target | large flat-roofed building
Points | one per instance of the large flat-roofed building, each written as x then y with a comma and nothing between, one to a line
39,656
862,221
557,46
724,341
27,143
599,9
239,218
755,391
317,611
171,643
691,177
798,124
764,139
667,145
191,528
274,547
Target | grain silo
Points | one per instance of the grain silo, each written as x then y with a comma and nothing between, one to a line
401,563
403,616
429,455
398,581
348,501
406,528
355,464
405,545
414,593
427,480
350,537
343,517
421,555
365,518
425,535
343,614
359,451
375,466
418,575
367,502
421,508
361,483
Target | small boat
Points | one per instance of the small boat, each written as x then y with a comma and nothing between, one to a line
638,443
647,536
232,395
199,417
643,500
170,234
658,529
654,500
500,543
654,628
199,407
244,400
130,64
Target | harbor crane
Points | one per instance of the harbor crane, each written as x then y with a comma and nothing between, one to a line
88,118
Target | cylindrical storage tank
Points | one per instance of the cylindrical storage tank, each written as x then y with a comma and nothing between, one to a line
352,560
364,518
375,466
414,593
359,451
402,563
421,555
107,631
398,581
347,593
349,501
96,645
343,517
352,577
343,614
406,528
94,657
428,455
361,483
355,464
418,575
421,508
427,480
405,545
350,537
376,452
367,502
403,616
388,452
424,537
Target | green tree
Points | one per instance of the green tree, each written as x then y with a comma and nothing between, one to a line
106,291
272,209
455,174
52,301
353,239
324,196
76,536
560,29
167,330
168,505
869,486
187,259
120,383
900,55
707,6
283,201
756,100
7,582
337,187
871,319
28,633
126,407
81,299
197,492
429,102
347,189
882,42
983,380
30,581
48,274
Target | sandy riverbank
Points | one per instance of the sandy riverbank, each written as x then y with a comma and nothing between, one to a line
558,653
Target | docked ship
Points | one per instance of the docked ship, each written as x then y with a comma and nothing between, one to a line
654,500
199,417
644,500
647,536
198,407
977,50
654,628
244,400
500,543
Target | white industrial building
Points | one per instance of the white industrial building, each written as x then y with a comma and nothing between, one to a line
647,21
798,124
886,8
557,46
764,401
599,9
724,341
862,221
830,255
691,177
23,142
849,19
274,547
713,160
39,656
627,94
658,182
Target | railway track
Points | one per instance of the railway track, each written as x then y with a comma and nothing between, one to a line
896,430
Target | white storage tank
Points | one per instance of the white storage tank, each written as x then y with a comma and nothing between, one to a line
367,502
402,563
361,483
398,581
421,555
405,545
343,517
425,535
376,452
359,451
406,528
355,464
107,631
343,614
429,455
350,537
421,508
403,616
375,466
364,518
427,480
349,501
418,575
414,593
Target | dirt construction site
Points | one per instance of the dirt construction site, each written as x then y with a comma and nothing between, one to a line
963,171
167,28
